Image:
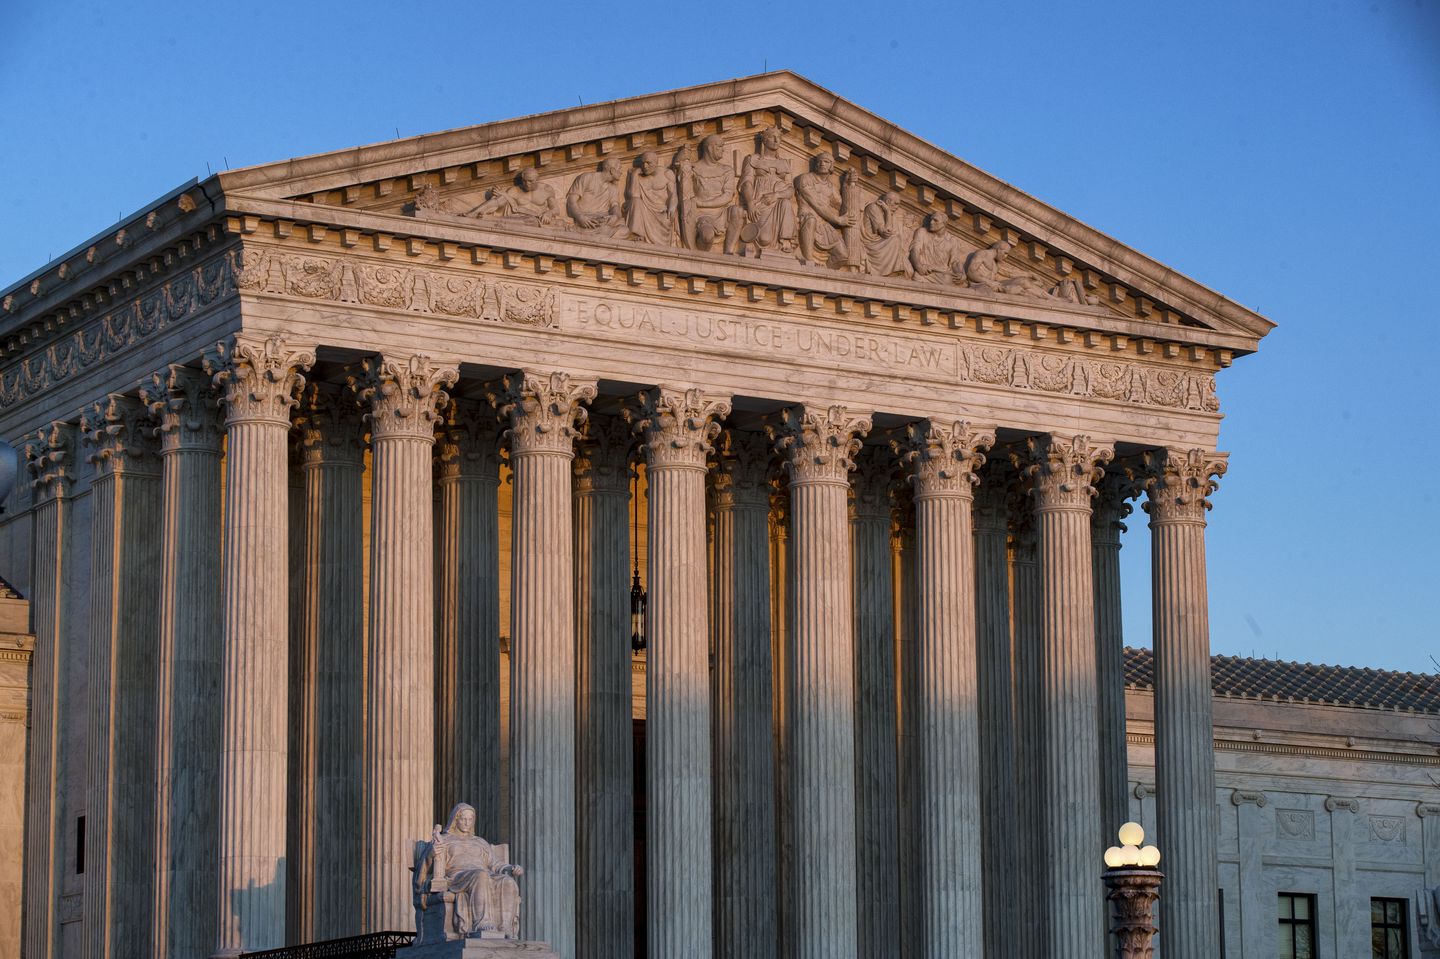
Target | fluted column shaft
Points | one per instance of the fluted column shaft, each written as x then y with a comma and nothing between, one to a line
50,455
1025,592
605,795
467,582
1064,472
819,448
780,658
876,824
258,380
1178,484
907,665
404,396
677,427
744,759
1109,508
543,410
324,857
942,460
998,805
187,665
124,623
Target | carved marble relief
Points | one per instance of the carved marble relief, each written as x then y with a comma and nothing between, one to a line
1295,824
757,205
1388,829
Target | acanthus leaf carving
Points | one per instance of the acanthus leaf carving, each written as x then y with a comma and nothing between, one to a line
741,473
545,410
120,434
677,425
944,460
404,396
185,405
873,482
258,377
1064,470
467,442
819,445
50,457
330,426
1180,483
602,455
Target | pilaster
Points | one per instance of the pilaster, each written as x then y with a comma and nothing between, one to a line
543,410
258,379
605,793
124,623
942,460
744,759
184,403
1179,483
818,447
676,427
403,398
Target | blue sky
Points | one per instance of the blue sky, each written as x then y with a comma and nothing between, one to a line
1284,153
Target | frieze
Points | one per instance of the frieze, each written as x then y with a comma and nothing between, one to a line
177,299
1076,375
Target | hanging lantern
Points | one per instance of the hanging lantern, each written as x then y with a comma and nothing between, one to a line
639,601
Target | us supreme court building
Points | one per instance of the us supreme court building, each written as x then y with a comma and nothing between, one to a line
353,482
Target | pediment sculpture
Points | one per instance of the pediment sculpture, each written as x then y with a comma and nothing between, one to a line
756,206
464,887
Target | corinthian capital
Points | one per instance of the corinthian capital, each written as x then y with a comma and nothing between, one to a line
544,410
602,455
1180,482
677,426
742,470
50,457
874,477
1121,483
992,497
184,403
332,431
467,443
943,460
257,377
405,396
121,436
819,446
1064,470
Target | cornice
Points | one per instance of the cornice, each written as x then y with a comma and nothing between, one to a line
1312,752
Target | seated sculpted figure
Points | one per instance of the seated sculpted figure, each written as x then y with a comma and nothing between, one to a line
464,888
529,202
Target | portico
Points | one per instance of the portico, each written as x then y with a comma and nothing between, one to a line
419,384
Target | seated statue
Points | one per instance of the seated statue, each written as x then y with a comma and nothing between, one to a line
464,887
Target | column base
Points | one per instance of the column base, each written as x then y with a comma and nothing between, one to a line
478,949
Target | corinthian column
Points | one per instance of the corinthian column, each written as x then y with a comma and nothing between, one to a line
744,760
1025,593
902,550
876,827
1110,507
1064,471
1178,482
819,448
50,456
604,801
943,460
187,667
543,410
467,677
677,427
258,379
325,852
997,714
124,622
404,398
780,651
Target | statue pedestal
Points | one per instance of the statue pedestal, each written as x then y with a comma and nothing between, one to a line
478,949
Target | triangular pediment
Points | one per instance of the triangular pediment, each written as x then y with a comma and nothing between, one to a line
771,169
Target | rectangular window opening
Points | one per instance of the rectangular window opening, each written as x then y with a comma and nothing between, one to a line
80,845
1389,929
1297,925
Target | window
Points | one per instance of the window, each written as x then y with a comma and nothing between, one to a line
1297,926
1389,930
79,845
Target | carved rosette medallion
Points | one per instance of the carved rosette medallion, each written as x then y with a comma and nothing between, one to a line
1064,470
329,426
544,409
258,377
467,442
405,397
678,426
741,475
874,477
602,455
1113,493
1180,482
819,446
944,460
120,434
185,404
50,457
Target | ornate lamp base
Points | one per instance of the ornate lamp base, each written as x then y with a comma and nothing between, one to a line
1133,890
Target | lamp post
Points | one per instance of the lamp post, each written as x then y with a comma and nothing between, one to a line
1133,879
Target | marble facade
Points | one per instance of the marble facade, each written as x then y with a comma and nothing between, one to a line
386,402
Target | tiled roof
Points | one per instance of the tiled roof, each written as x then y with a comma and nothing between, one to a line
1273,680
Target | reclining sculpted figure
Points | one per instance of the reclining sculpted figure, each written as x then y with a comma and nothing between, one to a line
464,887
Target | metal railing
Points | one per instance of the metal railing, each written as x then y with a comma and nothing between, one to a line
375,945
